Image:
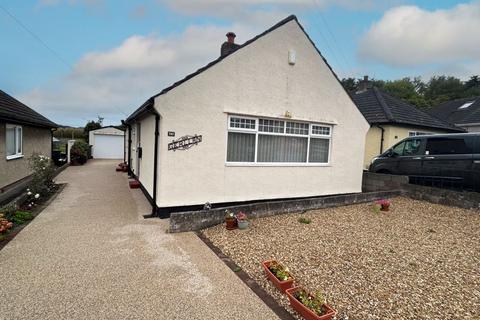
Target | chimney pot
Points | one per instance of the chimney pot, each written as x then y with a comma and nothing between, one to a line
231,37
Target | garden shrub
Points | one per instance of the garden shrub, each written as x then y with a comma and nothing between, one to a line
20,217
43,171
79,152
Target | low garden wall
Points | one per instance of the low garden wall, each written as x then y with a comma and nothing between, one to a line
382,182
197,220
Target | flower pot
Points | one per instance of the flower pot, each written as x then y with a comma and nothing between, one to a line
281,285
231,223
243,224
306,312
385,207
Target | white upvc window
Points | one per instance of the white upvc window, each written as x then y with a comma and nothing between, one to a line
14,141
267,141
418,133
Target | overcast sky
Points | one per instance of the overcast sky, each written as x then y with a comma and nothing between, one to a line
72,60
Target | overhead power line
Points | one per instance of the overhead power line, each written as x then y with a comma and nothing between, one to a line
24,27
43,43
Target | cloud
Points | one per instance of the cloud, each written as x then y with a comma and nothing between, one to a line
114,82
232,8
408,36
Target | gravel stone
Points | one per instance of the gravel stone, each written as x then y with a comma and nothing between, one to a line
417,261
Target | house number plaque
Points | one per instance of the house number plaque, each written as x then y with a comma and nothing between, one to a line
185,142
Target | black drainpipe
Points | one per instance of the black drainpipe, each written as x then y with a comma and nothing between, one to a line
381,140
51,143
155,162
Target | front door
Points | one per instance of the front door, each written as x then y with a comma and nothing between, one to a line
138,148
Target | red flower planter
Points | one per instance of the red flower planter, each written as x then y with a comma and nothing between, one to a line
306,312
385,207
281,285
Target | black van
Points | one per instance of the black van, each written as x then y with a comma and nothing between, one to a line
444,158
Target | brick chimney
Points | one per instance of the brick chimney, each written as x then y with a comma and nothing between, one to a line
229,45
363,85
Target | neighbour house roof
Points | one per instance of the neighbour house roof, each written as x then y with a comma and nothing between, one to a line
378,107
13,110
458,112
147,105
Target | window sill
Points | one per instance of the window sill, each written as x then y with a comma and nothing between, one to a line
16,156
278,164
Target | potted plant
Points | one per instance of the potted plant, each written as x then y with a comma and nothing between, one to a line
384,204
230,220
278,274
242,220
310,306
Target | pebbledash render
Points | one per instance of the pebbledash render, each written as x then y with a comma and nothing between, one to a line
266,120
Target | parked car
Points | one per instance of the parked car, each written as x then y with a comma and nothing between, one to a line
452,159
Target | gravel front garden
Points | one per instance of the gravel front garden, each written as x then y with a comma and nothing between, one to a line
416,261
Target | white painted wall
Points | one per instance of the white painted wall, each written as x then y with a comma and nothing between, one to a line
257,80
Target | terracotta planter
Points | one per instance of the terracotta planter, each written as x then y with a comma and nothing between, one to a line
385,207
306,312
281,285
231,223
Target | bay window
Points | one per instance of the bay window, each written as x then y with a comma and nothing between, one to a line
263,141
13,141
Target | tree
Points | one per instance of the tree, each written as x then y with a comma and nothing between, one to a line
92,125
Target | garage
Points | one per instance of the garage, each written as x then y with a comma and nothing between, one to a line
107,143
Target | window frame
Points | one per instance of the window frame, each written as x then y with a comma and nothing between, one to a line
257,132
18,132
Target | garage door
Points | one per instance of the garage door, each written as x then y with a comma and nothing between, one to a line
107,147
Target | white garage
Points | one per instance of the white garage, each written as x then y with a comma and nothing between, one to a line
107,143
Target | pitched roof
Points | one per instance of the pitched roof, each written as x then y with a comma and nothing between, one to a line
458,112
13,110
378,107
149,103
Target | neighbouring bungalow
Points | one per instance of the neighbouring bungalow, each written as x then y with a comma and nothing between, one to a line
464,113
392,119
23,132
268,119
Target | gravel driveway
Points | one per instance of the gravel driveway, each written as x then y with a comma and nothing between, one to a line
418,261
91,255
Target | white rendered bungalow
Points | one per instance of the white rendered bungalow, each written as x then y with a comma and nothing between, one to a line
266,120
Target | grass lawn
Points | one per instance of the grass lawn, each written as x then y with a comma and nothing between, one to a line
417,261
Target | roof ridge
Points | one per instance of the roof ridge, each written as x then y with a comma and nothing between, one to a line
385,107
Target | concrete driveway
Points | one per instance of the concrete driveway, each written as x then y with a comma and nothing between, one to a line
91,255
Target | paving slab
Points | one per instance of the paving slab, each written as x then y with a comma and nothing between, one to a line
91,255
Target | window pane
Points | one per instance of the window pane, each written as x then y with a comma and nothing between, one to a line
241,147
10,141
281,149
318,150
19,140
242,123
265,125
448,146
321,130
412,147
297,128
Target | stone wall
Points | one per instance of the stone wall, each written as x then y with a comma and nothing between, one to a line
382,182
197,220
